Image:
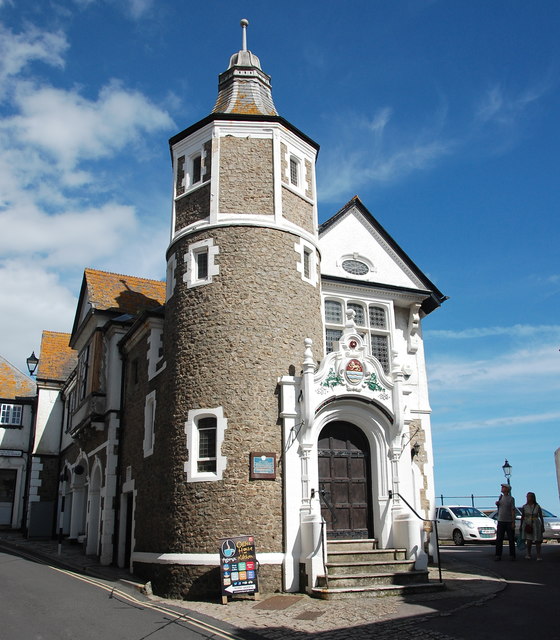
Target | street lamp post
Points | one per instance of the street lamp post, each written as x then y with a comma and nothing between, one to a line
507,470
32,363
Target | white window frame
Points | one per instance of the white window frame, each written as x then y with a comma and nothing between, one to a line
303,249
192,433
155,351
190,153
149,424
366,330
191,258
7,410
193,158
295,157
294,170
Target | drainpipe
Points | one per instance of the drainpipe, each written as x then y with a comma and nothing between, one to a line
32,431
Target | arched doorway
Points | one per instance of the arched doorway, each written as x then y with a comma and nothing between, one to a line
344,481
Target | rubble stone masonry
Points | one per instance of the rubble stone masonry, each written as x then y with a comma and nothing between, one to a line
192,207
297,210
226,344
246,176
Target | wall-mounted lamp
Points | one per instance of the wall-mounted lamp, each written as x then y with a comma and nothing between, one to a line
414,450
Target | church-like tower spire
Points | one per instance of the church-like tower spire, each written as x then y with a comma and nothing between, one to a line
244,87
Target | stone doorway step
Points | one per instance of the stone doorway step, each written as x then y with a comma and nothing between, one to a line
357,568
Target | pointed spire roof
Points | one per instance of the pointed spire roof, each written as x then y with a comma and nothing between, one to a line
244,88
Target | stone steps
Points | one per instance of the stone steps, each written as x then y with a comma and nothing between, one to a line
357,568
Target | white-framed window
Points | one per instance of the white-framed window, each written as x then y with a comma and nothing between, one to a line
201,263
189,169
156,364
149,424
11,414
307,264
205,434
196,169
372,322
295,171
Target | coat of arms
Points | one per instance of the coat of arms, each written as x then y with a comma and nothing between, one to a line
354,371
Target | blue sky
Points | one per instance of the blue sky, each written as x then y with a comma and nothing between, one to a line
442,116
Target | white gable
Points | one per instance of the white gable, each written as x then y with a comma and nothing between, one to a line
353,237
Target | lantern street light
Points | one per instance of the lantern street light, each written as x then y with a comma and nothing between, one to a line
507,470
32,363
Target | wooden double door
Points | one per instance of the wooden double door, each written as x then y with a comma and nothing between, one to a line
345,481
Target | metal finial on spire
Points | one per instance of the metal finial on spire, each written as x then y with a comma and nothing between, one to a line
244,23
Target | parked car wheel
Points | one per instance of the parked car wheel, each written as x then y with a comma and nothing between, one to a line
458,538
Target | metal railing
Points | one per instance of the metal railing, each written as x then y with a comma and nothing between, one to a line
450,500
434,522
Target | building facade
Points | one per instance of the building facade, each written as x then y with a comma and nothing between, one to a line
273,386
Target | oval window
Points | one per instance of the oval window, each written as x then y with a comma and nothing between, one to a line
355,267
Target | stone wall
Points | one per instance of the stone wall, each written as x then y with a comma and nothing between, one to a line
189,582
226,344
297,210
49,476
246,176
418,435
192,207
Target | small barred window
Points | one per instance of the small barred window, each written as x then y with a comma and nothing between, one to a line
380,350
294,171
377,317
332,336
206,445
333,311
360,316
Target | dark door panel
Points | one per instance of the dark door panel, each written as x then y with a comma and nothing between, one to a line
344,481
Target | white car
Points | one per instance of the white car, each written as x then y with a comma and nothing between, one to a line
464,524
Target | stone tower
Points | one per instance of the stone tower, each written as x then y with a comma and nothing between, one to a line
243,292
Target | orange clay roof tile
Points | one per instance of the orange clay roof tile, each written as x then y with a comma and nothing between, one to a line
126,294
14,383
56,360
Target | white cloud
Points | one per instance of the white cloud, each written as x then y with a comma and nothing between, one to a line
499,107
516,330
521,370
378,155
59,211
138,8
72,238
350,171
18,50
32,300
70,128
499,423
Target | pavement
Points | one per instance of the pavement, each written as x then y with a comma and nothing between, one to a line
298,616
